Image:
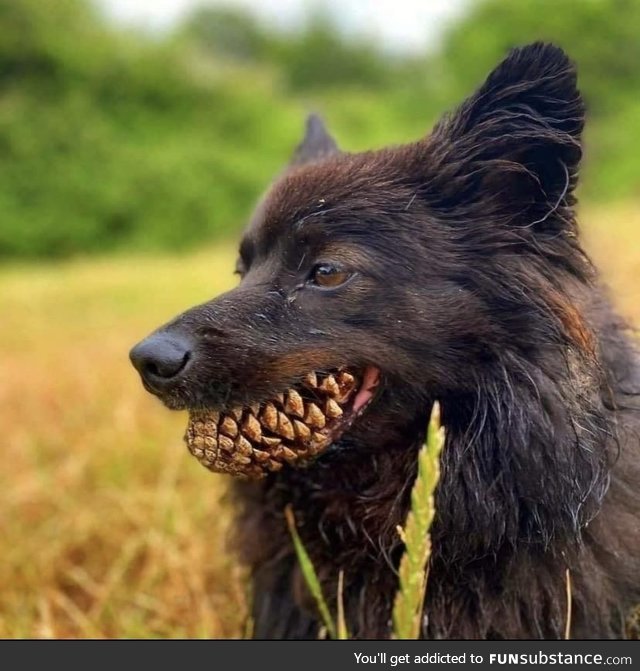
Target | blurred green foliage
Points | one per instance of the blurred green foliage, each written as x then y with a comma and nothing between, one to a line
110,138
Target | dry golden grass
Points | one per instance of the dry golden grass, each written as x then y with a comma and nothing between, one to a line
107,527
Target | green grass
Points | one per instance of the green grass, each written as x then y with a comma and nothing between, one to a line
413,572
107,527
311,577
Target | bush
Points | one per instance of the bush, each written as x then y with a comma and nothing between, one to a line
112,139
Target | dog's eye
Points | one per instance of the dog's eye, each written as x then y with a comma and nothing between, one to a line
328,276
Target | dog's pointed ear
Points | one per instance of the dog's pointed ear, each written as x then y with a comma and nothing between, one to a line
513,148
316,144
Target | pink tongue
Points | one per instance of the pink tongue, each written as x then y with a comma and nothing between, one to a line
368,386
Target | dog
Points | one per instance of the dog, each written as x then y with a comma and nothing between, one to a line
373,284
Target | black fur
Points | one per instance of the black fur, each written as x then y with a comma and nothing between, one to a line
469,285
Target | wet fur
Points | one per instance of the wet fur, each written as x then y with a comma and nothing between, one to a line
471,288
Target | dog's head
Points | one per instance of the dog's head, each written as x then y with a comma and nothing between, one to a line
372,283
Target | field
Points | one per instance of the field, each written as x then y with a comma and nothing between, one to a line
107,527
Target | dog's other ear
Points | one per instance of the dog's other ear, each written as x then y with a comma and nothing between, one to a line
316,144
512,149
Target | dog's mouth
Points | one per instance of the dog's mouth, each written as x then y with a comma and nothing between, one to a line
292,428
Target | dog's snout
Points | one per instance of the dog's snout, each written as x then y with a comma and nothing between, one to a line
161,359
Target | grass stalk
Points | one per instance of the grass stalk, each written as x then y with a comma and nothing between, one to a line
309,574
343,631
413,571
567,631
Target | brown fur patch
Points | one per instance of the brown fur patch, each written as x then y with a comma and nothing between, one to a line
574,325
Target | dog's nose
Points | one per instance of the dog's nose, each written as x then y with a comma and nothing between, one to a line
161,358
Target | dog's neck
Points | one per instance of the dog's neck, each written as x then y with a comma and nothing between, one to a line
525,465
525,458
524,462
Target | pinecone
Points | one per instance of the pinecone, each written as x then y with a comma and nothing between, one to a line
292,428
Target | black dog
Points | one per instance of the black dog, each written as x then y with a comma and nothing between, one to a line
446,269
